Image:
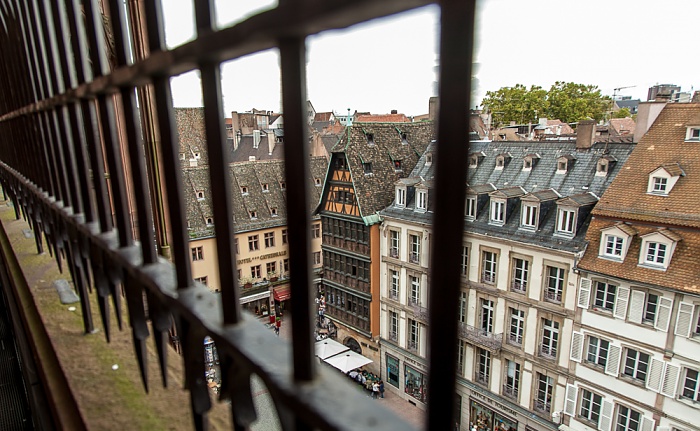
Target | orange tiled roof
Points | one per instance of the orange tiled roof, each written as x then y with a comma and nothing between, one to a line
682,273
381,118
664,144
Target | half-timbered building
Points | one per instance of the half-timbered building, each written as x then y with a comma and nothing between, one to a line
364,165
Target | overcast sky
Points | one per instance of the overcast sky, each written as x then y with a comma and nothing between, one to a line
391,64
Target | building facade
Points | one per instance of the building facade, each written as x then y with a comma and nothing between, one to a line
364,165
528,206
635,353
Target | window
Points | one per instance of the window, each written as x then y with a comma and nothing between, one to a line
498,212
265,187
197,253
488,267
473,161
517,326
397,165
483,369
316,230
415,290
370,138
590,406
470,208
317,258
543,400
400,197
413,335
200,195
271,267
202,280
235,241
269,239
244,190
394,244
565,223
253,243
414,255
393,325
597,352
284,236
604,296
659,185
655,253
367,168
691,390
255,271
627,419
693,134
561,166
317,182
512,379
273,212
283,185
461,353
487,310
650,308
555,284
253,214
550,338
394,287
464,265
636,365
521,269
285,265
422,200
210,221
529,218
613,246
462,307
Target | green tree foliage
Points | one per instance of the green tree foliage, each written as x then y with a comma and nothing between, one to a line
566,101
622,113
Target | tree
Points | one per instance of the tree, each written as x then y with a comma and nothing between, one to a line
566,101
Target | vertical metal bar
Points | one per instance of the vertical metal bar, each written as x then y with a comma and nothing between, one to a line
456,42
220,174
296,164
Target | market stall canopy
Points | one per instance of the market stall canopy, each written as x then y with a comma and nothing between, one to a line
327,348
347,361
281,293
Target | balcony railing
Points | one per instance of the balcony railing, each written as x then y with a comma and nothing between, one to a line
394,336
394,294
480,337
488,277
481,378
552,296
394,252
515,339
518,287
510,391
414,258
62,166
412,346
542,406
548,352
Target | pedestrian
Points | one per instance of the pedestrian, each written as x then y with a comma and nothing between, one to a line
278,323
375,390
381,388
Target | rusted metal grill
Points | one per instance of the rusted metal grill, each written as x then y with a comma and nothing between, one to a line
69,93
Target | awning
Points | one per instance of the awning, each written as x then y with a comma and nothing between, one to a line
255,297
347,361
282,293
327,348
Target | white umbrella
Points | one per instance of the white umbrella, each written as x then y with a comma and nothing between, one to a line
347,361
326,348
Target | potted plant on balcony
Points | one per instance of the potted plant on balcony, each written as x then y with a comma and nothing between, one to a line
272,276
246,282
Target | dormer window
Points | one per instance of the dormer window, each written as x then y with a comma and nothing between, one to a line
197,156
265,187
370,139
422,200
662,179
527,165
317,182
253,215
564,163
283,185
561,166
602,167
367,168
693,134
566,221
528,219
657,249
397,166
428,159
273,212
473,161
404,139
200,195
244,190
502,160
499,162
470,208
400,197
498,212
615,241
529,161
210,221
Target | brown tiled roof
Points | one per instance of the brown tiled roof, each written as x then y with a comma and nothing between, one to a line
674,169
682,273
374,192
381,118
623,126
663,144
191,133
323,116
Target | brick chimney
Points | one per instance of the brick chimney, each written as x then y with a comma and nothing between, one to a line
585,134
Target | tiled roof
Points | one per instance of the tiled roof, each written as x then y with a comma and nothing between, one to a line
246,150
664,144
376,191
682,273
381,118
252,175
579,185
623,126
191,133
323,116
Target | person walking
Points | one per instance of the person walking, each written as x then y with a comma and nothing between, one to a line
278,323
375,390
381,388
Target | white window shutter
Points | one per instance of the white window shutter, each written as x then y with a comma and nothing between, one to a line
584,292
685,319
577,346
636,311
670,381
663,313
612,366
606,413
570,402
647,424
656,371
621,300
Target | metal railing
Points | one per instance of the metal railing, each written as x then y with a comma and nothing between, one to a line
481,337
72,104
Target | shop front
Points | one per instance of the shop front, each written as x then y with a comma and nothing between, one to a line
257,304
483,418
416,383
281,295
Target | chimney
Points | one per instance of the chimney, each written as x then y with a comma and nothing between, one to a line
646,115
256,138
394,111
585,134
270,143
433,108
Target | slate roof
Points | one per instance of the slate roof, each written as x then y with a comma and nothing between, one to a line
579,184
627,200
245,150
376,191
251,175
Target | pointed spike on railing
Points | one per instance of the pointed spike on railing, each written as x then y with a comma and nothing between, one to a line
141,355
238,388
161,323
103,303
115,293
161,339
193,354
